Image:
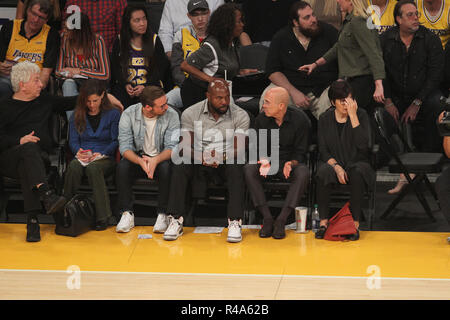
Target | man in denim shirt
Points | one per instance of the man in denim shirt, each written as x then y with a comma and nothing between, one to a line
148,131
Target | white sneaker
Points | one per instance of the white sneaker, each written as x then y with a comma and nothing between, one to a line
126,222
161,224
175,228
234,231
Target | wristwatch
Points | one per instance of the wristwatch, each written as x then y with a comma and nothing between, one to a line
417,102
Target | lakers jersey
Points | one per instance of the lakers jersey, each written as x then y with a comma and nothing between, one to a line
382,20
189,44
137,67
21,49
439,25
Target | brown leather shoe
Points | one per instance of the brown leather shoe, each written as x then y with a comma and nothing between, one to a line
278,230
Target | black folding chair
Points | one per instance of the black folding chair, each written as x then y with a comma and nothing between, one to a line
403,161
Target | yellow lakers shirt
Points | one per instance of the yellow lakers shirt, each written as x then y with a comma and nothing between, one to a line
438,24
382,20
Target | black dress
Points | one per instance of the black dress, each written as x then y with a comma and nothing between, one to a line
350,148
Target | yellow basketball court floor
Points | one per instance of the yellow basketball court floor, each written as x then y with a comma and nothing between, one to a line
109,265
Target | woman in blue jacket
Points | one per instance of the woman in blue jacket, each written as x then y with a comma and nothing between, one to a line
93,131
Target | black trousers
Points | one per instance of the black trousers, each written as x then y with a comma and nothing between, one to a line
357,188
183,174
26,163
127,172
363,90
426,136
443,191
191,93
298,179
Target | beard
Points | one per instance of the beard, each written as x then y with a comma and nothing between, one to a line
310,32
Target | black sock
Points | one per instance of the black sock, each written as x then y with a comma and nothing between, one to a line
284,214
32,216
265,211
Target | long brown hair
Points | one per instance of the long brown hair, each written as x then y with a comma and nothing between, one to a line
81,39
90,87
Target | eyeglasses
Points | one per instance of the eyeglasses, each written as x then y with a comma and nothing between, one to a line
410,15
34,14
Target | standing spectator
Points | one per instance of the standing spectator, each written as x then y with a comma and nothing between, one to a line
138,58
358,54
105,16
30,39
302,42
435,15
344,149
382,13
186,41
414,59
174,17
54,20
148,132
263,18
217,56
94,128
83,54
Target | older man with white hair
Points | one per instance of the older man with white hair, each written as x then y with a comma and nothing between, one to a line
25,141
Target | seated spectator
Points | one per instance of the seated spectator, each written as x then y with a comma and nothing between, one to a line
293,145
263,18
343,154
54,20
138,58
148,132
105,17
204,150
93,131
413,59
174,17
382,14
217,56
328,11
25,141
302,42
358,54
30,39
186,41
443,181
83,55
435,16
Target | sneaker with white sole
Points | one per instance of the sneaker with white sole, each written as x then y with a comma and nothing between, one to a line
161,224
234,230
126,222
175,228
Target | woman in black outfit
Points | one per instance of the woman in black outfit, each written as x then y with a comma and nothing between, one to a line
344,153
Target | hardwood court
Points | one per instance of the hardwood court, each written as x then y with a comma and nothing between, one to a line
381,265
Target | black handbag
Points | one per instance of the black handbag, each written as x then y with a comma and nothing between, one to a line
78,217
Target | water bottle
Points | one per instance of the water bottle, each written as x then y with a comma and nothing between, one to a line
315,219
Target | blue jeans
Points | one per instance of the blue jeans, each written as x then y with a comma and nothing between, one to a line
69,89
174,98
5,87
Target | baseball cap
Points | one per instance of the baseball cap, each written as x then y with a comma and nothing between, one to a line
197,4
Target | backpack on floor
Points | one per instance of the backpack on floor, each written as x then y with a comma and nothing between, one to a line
78,216
340,225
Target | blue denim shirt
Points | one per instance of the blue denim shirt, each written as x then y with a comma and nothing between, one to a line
132,130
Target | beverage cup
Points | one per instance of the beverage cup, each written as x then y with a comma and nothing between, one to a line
300,219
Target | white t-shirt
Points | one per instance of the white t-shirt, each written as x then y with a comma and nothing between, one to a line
149,140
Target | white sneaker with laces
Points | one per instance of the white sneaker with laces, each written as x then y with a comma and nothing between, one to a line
175,228
161,224
126,222
234,231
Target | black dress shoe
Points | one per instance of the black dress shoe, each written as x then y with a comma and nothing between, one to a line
354,237
101,225
321,232
278,230
52,202
33,231
266,230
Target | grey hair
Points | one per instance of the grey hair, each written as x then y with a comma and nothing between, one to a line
22,72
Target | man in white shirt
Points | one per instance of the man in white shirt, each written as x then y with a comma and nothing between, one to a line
174,17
